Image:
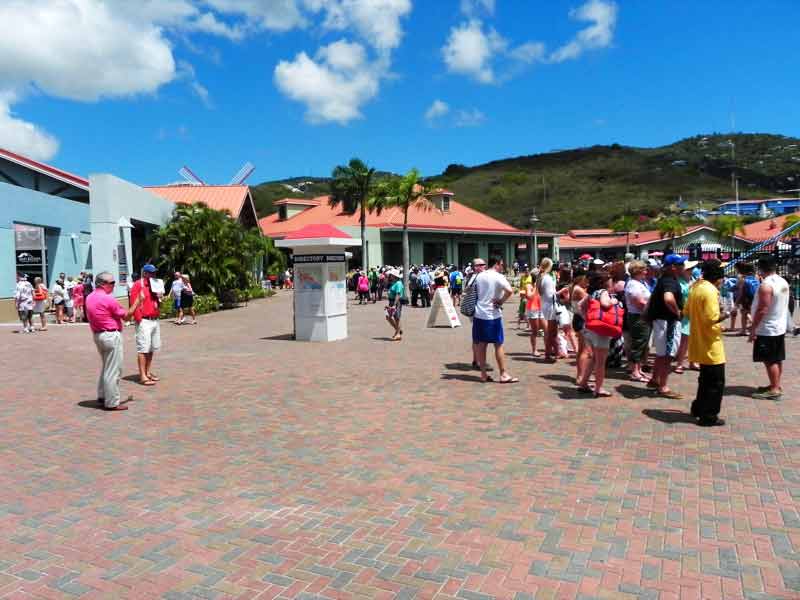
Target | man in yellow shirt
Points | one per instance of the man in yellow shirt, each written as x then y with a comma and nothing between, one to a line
705,344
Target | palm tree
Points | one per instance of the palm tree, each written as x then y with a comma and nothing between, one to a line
625,224
403,193
351,188
671,227
727,226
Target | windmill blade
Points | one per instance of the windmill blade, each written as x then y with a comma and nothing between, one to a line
189,176
242,174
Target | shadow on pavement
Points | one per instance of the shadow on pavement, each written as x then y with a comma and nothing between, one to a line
98,406
570,393
461,377
745,391
669,416
459,366
280,337
632,392
558,377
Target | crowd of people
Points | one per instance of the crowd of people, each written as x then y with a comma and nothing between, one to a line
65,298
606,313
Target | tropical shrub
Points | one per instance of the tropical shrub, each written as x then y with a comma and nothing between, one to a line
216,250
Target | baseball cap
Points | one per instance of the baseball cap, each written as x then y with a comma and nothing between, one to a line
148,268
598,261
674,259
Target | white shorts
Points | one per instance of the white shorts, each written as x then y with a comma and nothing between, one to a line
666,337
534,314
148,336
564,317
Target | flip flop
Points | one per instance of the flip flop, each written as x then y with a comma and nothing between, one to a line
603,394
118,407
671,394
152,377
147,382
509,380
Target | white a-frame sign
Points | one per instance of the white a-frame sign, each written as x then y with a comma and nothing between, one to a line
442,302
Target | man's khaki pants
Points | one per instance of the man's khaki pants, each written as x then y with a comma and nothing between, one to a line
109,345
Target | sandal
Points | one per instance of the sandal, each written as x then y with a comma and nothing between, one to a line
602,394
671,394
510,380
147,382
152,377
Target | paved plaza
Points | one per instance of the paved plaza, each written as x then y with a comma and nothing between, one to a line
260,467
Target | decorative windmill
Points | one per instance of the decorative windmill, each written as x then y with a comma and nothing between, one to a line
241,176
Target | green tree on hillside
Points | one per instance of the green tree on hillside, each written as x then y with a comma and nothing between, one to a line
671,227
727,226
625,224
351,188
403,193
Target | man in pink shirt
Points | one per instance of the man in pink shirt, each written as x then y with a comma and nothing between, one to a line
105,316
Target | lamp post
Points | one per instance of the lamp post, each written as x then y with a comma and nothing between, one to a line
534,220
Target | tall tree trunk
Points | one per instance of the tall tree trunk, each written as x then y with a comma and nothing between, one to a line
406,252
364,258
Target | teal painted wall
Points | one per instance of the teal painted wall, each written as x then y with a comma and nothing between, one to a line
61,219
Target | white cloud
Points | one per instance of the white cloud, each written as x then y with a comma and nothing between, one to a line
23,137
436,110
469,118
269,15
334,85
341,78
472,7
469,50
529,52
376,21
602,14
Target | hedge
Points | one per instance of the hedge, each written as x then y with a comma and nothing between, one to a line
207,303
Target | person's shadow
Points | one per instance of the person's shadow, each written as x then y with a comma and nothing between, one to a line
99,406
669,416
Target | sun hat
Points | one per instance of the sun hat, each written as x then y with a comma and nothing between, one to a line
393,273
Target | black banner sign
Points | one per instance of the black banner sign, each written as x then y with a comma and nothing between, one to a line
29,258
318,258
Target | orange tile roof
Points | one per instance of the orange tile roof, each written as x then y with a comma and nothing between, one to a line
219,197
458,218
299,201
763,230
579,232
637,238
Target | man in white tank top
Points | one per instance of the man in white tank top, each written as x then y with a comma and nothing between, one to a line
770,313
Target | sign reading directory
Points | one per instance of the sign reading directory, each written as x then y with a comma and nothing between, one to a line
320,289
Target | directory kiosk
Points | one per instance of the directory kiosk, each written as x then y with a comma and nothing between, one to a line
320,286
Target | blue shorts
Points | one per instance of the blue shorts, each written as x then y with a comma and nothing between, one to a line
487,331
177,302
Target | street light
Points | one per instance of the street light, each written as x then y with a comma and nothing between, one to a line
534,220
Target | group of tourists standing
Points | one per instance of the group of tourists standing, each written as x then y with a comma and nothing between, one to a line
65,298
672,310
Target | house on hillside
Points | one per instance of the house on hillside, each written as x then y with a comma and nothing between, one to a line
450,232
608,245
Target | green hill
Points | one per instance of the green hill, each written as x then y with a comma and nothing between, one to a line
590,187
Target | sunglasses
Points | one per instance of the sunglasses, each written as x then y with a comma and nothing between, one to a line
112,282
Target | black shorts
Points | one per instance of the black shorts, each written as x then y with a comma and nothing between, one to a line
769,349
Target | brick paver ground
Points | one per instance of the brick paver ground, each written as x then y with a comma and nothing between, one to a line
265,468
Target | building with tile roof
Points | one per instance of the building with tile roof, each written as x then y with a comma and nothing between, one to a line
236,199
605,244
448,232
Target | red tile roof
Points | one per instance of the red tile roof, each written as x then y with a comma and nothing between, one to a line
458,218
220,197
317,231
763,230
45,168
637,238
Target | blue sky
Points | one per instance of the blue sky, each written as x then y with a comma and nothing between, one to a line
298,86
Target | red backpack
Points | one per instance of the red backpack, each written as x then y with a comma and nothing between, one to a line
607,323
